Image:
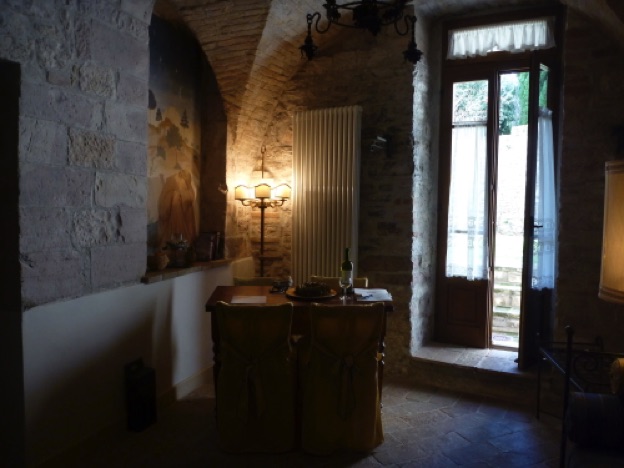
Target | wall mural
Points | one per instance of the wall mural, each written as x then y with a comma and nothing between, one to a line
173,136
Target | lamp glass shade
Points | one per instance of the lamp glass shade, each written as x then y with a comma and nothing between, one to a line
263,191
241,192
282,191
612,270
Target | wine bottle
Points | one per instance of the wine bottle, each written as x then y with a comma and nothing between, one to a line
346,271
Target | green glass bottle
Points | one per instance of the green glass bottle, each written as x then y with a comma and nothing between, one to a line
346,273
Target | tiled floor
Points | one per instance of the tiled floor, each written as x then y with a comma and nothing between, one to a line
423,427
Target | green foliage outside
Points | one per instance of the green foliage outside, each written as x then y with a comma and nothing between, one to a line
471,99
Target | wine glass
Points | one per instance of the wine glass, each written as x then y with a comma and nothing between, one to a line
345,282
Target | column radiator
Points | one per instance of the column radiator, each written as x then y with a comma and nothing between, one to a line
326,189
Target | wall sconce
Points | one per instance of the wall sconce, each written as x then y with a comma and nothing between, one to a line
612,269
262,196
382,143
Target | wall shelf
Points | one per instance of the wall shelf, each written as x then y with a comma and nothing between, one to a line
170,273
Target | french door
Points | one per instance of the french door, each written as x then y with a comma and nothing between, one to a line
493,182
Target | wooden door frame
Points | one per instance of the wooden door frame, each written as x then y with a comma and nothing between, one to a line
452,324
465,70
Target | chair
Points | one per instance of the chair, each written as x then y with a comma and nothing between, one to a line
341,406
254,280
333,281
594,423
256,383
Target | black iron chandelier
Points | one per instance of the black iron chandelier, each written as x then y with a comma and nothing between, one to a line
365,14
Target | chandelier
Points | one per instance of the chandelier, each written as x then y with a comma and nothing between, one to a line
365,14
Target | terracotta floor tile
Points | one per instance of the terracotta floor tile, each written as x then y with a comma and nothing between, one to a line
423,427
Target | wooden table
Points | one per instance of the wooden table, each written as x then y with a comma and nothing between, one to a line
300,320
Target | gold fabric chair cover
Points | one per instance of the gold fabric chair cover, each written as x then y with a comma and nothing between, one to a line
333,281
616,374
339,372
257,379
254,280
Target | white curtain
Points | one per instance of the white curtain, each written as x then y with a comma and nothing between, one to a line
545,236
467,218
510,37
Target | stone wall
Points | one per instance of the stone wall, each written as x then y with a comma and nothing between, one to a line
593,92
82,143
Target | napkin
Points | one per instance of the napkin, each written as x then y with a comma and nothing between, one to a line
372,294
249,299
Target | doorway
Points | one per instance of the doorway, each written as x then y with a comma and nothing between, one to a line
492,190
511,171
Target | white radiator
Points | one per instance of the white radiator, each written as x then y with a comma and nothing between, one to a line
326,190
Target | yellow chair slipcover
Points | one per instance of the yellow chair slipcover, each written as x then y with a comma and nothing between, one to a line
333,281
339,372
256,383
254,280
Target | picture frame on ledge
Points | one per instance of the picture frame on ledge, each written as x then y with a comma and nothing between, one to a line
205,246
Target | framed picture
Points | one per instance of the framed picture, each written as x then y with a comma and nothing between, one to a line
204,246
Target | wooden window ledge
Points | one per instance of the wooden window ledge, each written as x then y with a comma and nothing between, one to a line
170,273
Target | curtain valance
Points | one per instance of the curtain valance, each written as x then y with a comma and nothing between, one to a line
517,36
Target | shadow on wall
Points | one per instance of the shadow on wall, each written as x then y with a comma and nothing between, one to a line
80,365
11,349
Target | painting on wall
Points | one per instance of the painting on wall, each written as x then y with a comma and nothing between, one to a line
174,140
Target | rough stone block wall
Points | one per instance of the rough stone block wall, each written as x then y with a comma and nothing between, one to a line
425,182
82,143
593,93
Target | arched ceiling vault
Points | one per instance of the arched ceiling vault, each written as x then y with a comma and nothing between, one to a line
252,46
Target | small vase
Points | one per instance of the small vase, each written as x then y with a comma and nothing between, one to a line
157,261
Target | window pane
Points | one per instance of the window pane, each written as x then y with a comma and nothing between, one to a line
470,102
467,232
543,87
510,199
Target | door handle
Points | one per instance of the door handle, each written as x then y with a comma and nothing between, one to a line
535,226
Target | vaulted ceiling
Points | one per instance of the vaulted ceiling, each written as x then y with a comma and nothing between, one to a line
252,45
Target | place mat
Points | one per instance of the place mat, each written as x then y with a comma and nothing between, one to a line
249,300
372,295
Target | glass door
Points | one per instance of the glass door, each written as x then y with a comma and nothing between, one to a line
497,206
464,262
540,233
511,175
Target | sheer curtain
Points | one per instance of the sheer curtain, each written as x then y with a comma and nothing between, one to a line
510,37
545,236
467,228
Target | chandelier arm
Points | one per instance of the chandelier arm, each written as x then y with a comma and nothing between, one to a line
308,48
366,14
410,24
310,18
344,25
382,3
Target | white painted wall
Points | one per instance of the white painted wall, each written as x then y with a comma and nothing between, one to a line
75,352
